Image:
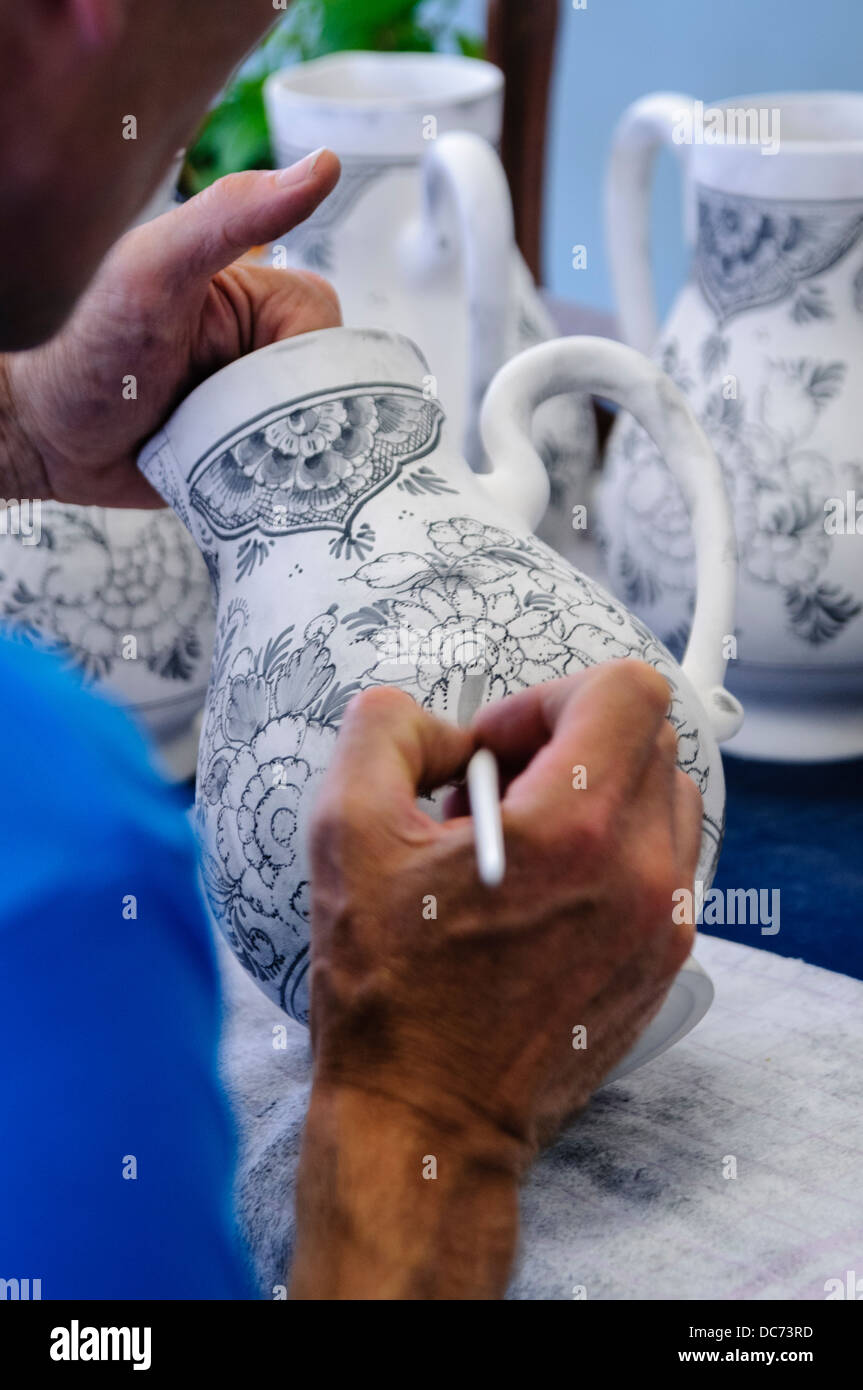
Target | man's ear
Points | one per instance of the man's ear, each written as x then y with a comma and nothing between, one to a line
98,22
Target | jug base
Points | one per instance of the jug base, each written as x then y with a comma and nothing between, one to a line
685,1006
799,730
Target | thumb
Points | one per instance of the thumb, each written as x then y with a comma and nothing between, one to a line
212,230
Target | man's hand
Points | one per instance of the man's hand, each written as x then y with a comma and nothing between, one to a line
444,1012
170,305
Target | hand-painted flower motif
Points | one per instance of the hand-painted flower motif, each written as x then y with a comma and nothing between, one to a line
315,465
95,581
752,253
480,636
266,740
311,429
778,487
485,613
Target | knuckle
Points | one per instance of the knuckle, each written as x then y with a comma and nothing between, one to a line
326,293
594,834
645,681
587,836
236,183
330,312
378,702
227,188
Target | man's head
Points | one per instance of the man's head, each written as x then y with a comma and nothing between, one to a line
96,98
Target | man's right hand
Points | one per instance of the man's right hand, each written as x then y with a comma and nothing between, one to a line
446,1012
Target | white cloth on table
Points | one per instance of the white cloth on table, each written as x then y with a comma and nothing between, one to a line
632,1201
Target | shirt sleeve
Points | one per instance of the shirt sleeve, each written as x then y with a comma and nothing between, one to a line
117,1156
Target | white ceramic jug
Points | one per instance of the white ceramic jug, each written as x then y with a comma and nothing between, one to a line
122,596
766,341
418,235
354,546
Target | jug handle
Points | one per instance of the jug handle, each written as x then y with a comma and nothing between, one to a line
463,176
518,482
642,130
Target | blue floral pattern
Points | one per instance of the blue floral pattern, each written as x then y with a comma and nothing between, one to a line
276,709
769,427
81,593
750,253
778,486
312,465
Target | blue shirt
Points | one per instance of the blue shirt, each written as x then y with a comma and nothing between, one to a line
116,1142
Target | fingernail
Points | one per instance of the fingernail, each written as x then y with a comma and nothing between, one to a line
302,171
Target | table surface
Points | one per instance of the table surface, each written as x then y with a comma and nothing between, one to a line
727,1168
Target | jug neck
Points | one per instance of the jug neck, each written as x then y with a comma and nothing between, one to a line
801,146
297,438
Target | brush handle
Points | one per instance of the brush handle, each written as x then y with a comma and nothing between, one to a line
483,789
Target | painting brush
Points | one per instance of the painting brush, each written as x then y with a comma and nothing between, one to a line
483,790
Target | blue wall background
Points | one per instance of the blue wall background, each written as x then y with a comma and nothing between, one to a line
617,50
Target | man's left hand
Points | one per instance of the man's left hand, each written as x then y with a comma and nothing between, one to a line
172,303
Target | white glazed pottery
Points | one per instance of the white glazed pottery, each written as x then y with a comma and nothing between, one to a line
123,597
418,235
684,1007
353,546
766,341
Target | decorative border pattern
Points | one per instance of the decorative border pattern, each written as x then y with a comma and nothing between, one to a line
755,251
312,464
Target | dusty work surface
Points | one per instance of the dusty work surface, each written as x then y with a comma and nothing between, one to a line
636,1198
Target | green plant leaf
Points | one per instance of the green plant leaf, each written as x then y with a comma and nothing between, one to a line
348,25
470,45
234,136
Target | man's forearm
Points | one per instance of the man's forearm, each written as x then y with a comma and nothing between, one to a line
392,1205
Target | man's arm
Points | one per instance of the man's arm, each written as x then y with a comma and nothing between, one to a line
444,1013
391,1203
